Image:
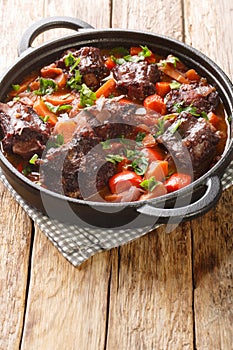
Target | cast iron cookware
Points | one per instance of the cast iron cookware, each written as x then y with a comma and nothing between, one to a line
184,204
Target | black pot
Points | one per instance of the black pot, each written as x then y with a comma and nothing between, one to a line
185,204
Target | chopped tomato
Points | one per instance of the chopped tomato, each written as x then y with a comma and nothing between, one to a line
177,181
162,88
109,63
153,154
123,181
158,170
156,103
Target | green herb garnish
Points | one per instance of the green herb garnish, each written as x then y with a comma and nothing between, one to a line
140,165
47,86
55,142
75,82
149,184
114,158
16,87
59,108
87,96
34,159
106,144
175,85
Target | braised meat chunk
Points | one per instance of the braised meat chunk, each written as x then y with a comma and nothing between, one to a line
202,96
191,143
137,80
22,131
90,65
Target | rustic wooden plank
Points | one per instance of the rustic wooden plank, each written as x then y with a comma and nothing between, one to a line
15,226
151,293
66,305
162,17
212,234
15,237
151,289
213,259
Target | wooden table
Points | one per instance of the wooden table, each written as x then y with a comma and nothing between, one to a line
162,291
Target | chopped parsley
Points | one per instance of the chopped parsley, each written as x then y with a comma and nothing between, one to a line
33,159
189,109
114,158
140,136
55,142
159,127
140,165
76,81
87,96
47,86
71,61
175,85
106,144
44,119
16,87
149,184
59,108
135,58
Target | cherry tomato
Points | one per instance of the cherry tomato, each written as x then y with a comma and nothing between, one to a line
177,181
123,181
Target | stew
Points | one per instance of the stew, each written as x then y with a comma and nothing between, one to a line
117,125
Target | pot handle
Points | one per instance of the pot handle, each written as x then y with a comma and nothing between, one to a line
49,23
191,211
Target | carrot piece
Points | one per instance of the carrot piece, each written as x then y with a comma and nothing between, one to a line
162,88
61,80
125,101
50,71
106,89
192,75
42,110
214,119
156,103
59,98
173,73
109,63
23,86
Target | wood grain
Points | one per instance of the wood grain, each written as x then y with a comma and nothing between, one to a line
66,306
15,237
212,234
151,293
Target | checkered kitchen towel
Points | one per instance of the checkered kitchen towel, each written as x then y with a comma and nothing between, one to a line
76,243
